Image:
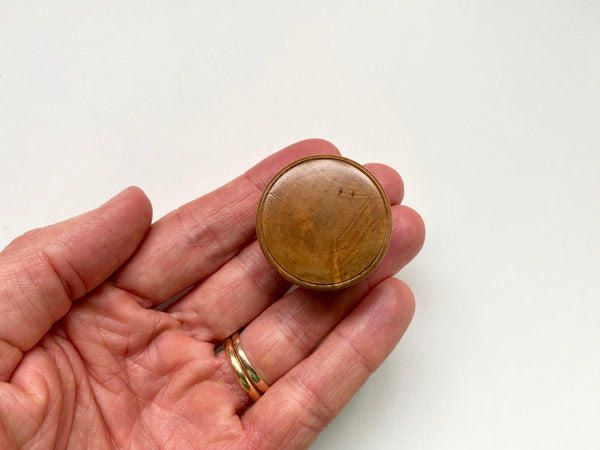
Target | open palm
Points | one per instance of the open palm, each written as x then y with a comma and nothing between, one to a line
90,356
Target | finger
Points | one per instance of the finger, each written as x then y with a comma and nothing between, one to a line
192,242
290,329
390,180
293,327
45,269
231,297
296,408
247,284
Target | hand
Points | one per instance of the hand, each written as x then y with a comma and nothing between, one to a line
87,360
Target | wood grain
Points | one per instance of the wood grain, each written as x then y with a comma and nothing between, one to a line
324,222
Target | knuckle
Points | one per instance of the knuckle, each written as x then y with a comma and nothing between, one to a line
316,413
356,351
59,267
199,232
294,332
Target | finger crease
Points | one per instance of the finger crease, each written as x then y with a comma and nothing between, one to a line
69,287
350,345
318,412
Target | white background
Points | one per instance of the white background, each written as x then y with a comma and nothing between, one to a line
489,110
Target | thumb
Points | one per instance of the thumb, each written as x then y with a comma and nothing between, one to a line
42,271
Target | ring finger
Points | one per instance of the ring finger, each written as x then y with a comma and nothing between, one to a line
290,329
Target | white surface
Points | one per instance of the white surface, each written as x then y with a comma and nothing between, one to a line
489,110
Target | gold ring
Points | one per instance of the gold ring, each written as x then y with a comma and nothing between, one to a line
256,380
238,370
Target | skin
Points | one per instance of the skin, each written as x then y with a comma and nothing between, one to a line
88,361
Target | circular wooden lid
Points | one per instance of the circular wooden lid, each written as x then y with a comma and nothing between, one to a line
324,222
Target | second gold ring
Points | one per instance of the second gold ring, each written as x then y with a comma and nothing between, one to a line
245,374
256,380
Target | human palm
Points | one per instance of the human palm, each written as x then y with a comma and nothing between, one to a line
94,352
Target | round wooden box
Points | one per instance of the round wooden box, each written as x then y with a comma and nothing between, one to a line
324,222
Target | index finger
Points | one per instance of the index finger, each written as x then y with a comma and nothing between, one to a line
194,241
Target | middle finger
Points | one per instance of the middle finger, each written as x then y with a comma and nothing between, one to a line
247,284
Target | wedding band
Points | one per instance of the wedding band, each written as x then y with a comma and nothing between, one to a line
255,379
238,370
